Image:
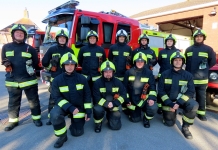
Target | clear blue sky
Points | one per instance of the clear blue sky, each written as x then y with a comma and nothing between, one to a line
12,10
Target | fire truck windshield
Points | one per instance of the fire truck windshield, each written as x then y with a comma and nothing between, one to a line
64,22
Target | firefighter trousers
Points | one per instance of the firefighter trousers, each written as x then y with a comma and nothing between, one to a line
113,116
15,95
159,101
189,112
51,102
201,98
59,124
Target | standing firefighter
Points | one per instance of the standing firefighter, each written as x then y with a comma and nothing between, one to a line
176,89
164,61
90,58
20,59
51,60
141,87
143,40
200,58
109,93
72,95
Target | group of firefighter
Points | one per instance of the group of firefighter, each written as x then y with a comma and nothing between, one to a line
124,79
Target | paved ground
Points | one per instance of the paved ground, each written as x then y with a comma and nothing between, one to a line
131,136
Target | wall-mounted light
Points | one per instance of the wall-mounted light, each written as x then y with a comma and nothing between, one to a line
213,12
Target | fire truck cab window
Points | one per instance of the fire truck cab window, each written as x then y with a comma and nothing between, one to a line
108,31
125,27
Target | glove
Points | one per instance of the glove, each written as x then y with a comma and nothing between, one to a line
6,62
55,59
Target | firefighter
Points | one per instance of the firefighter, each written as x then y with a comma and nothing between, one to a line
71,93
90,58
176,89
141,87
200,58
164,61
20,59
109,93
143,40
51,61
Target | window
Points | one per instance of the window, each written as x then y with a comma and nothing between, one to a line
125,27
108,31
156,41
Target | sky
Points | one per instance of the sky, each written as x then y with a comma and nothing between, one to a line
12,10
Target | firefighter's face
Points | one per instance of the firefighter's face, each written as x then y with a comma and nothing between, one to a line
19,35
69,68
169,43
62,40
92,40
108,74
199,38
144,41
177,62
140,64
121,39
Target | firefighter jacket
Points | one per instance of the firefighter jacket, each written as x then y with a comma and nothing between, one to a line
170,84
135,80
118,55
152,59
164,58
72,91
53,51
105,91
195,56
89,59
18,54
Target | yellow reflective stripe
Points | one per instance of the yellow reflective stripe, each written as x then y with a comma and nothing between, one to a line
153,93
62,102
125,54
28,83
131,78
203,54
98,121
102,101
56,54
13,120
189,54
9,53
165,97
132,107
166,108
51,79
102,90
86,54
25,54
61,131
164,55
168,81
123,108
99,54
149,56
120,78
159,75
115,109
87,105
121,99
64,89
140,103
11,84
201,112
187,119
115,89
115,53
149,118
36,117
48,115
85,76
127,95
79,115
201,81
185,98
144,79
79,86
95,78
183,82
159,105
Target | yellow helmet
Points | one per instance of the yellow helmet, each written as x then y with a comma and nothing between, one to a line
107,65
18,27
200,32
68,58
63,33
170,37
91,33
177,54
143,36
139,57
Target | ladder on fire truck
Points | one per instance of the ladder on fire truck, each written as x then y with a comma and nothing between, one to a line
115,13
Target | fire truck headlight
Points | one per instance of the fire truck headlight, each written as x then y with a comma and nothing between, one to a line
213,75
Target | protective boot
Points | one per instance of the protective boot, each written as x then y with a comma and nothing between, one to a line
186,132
98,127
37,122
48,122
159,111
59,143
202,118
146,122
11,125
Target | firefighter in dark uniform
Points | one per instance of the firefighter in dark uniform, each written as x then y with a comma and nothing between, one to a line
164,61
141,87
90,58
200,58
143,40
176,89
51,61
109,93
72,95
20,59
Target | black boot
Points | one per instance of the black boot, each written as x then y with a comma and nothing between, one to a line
98,127
202,118
59,143
48,122
159,111
38,122
186,132
146,122
11,125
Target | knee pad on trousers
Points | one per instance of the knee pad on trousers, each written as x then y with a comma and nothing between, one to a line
77,127
191,105
114,120
169,118
135,119
56,118
76,131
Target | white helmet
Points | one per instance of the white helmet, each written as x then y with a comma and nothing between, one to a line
121,32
